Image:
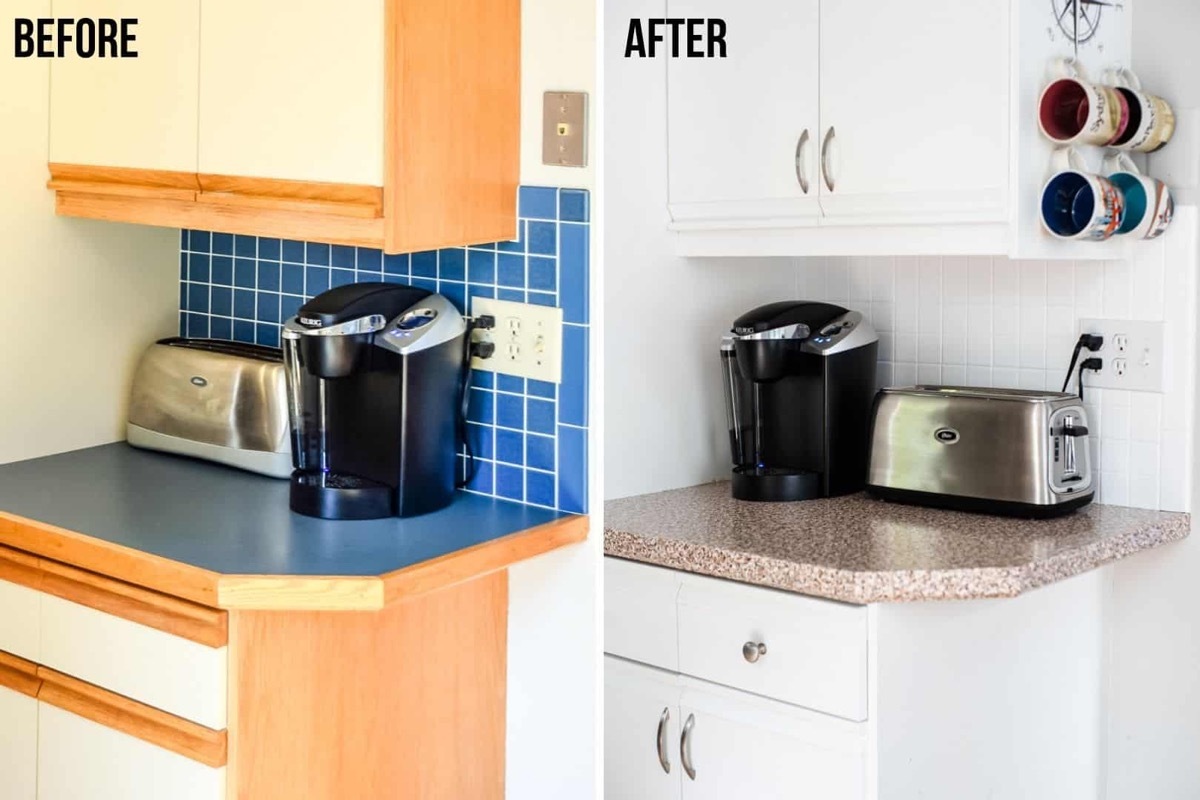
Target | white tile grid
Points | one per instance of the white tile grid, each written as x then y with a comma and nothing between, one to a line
986,321
360,275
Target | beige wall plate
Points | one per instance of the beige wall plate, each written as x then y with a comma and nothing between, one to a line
528,339
564,129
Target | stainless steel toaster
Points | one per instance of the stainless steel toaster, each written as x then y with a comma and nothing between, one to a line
995,451
216,400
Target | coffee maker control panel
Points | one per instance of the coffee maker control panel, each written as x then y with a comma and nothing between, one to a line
431,322
843,333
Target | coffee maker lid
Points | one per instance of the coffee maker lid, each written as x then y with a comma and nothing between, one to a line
357,300
793,319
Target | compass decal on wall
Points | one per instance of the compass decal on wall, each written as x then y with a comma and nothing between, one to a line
1079,20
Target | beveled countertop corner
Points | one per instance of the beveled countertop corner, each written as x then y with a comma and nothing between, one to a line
859,549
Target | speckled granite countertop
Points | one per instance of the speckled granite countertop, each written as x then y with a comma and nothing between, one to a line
862,550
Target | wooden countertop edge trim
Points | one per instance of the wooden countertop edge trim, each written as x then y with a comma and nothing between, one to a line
484,558
19,675
144,722
111,560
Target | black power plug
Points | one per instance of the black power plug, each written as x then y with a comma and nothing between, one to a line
1091,341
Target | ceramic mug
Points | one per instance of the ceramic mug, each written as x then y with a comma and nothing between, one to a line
1149,206
1151,119
1077,204
1072,110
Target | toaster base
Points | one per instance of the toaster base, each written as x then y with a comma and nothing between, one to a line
980,505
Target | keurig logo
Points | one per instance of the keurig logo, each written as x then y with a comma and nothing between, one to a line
310,322
684,37
946,435
59,37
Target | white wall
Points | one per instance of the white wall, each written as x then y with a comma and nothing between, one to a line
78,299
553,656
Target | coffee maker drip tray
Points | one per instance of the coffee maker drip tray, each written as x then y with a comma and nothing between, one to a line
333,495
775,484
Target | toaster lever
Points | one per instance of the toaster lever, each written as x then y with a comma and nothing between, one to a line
1071,430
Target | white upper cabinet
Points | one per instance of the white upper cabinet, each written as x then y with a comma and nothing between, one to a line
743,130
641,732
914,107
294,91
129,112
18,746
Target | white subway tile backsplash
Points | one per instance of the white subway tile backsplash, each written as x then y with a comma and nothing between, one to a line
983,321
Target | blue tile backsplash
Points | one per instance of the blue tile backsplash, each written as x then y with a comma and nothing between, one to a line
530,437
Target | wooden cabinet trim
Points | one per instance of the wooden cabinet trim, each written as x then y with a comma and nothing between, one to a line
19,675
119,713
171,615
123,181
343,199
20,568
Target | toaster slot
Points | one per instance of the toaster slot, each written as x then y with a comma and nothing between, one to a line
222,347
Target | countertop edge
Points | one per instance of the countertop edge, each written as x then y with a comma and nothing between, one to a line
893,586
284,592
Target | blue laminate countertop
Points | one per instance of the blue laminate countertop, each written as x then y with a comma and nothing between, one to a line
227,521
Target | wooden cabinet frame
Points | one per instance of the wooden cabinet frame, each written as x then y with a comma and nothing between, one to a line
452,160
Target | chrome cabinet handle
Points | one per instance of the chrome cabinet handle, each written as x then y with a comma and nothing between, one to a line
753,651
685,746
801,161
661,741
826,170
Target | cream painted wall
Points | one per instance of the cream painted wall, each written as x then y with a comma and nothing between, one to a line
78,299
558,52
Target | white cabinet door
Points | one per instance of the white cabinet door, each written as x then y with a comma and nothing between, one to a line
641,710
78,759
19,624
129,112
294,91
18,746
917,99
735,124
739,745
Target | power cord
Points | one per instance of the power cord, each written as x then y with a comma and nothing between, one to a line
1087,341
471,349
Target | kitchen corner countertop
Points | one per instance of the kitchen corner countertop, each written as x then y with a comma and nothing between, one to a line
862,550
226,538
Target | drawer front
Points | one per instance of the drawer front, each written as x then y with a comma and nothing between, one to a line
78,759
19,620
18,745
815,650
159,669
640,619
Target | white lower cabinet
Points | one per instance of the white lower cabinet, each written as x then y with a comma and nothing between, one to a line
78,759
669,736
18,746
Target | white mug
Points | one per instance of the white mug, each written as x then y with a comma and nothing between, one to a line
1151,119
1078,204
1072,110
1149,206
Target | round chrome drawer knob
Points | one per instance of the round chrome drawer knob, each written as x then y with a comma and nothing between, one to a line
753,651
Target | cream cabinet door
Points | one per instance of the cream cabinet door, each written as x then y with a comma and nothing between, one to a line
914,111
130,112
293,90
742,130
18,746
78,759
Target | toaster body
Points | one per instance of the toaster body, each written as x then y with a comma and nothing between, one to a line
215,400
994,451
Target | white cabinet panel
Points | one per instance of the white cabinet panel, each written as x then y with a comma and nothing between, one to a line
18,746
741,746
130,112
735,123
640,705
294,92
159,669
19,633
640,619
815,650
78,759
918,101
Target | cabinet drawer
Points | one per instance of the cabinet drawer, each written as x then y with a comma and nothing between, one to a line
157,650
815,650
78,758
19,603
640,619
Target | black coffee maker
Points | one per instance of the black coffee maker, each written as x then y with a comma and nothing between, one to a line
375,375
799,384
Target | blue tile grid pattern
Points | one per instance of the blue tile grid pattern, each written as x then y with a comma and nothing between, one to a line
530,437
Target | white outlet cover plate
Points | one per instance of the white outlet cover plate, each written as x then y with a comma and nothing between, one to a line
1143,356
528,339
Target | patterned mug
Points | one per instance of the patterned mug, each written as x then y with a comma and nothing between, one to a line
1078,204
1149,206
1072,110
1151,119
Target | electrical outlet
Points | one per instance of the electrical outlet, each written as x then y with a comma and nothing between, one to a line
528,339
1132,353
